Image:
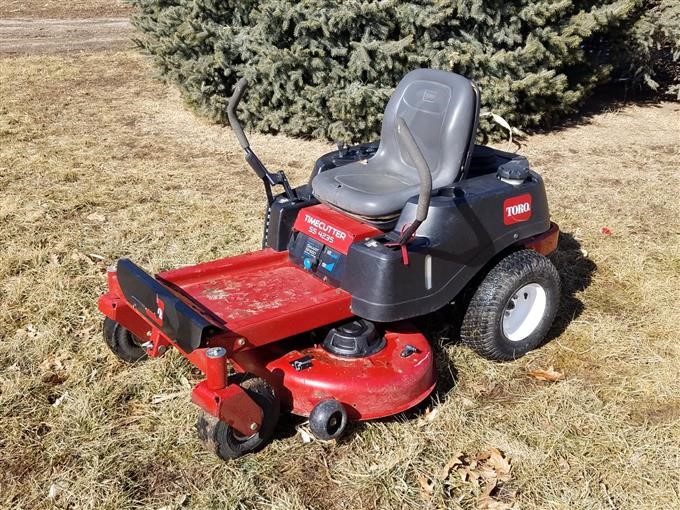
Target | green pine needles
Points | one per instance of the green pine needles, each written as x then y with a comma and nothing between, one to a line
325,69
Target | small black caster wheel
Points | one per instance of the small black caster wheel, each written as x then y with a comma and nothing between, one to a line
328,419
513,308
122,343
227,443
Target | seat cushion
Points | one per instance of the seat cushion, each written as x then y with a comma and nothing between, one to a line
364,189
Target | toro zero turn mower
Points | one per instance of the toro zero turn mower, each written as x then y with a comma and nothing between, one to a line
316,323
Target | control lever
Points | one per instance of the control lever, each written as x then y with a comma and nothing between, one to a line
425,195
268,178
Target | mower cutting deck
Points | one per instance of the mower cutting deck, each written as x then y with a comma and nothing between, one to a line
316,323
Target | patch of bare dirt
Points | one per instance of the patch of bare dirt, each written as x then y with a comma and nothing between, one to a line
48,36
61,9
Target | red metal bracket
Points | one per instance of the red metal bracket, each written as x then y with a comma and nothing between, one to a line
232,405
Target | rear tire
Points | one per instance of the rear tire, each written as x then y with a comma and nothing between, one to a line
122,343
513,308
227,443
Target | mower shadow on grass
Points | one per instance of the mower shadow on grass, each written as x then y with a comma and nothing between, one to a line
576,272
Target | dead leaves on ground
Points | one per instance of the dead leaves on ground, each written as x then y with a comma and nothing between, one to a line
488,470
548,375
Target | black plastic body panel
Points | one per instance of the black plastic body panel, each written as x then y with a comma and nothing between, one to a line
483,160
464,230
281,217
343,157
178,319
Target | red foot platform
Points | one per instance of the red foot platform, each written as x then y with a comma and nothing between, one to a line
261,297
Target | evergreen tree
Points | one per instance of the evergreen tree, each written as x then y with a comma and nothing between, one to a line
325,68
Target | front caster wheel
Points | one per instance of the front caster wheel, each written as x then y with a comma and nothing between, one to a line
122,343
328,419
513,308
227,443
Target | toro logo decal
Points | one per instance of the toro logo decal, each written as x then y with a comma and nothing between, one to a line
517,209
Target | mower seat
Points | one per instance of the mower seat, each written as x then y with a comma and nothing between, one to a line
441,109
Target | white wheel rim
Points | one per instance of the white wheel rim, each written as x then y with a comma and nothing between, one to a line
524,311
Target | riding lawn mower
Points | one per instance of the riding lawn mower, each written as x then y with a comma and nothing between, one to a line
318,322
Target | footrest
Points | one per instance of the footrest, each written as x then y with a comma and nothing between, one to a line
179,319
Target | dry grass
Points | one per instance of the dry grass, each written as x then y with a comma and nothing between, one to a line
94,136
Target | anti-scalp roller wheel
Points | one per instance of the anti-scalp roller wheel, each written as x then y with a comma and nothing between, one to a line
328,419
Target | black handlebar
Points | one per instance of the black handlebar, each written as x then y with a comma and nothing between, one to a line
269,179
425,194
239,90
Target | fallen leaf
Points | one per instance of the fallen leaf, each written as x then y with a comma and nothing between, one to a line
78,256
55,489
179,501
96,217
430,415
84,332
456,460
60,400
550,375
564,465
426,483
160,398
306,436
427,487
487,501
54,363
494,465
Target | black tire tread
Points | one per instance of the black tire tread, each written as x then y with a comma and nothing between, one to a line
480,326
122,343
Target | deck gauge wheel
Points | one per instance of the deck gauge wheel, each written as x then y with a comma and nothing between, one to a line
123,343
227,443
328,419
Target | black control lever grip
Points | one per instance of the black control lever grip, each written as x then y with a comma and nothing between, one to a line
408,141
239,90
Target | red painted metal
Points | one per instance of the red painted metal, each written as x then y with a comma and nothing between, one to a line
333,228
232,405
373,387
545,243
216,370
261,297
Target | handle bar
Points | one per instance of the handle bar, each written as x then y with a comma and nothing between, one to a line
258,167
239,90
425,194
